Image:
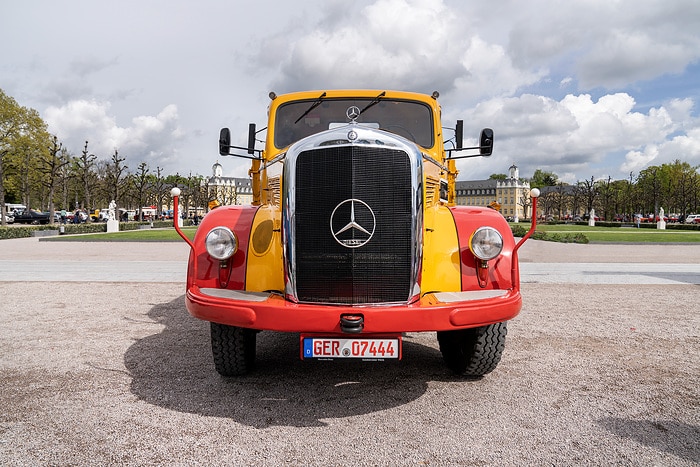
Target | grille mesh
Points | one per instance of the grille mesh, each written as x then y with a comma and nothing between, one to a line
380,270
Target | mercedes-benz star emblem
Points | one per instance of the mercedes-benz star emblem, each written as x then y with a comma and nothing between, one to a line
359,230
353,112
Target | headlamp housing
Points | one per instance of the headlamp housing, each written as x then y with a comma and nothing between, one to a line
486,243
221,243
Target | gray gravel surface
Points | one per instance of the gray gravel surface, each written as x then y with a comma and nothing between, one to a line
100,372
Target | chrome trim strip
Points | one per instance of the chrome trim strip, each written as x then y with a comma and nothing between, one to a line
434,161
278,158
454,297
236,294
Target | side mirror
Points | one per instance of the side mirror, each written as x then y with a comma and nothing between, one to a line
224,141
251,138
459,134
486,143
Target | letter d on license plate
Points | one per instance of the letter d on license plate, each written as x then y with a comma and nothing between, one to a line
327,348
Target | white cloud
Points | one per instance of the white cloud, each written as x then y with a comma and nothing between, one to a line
396,44
606,44
577,132
681,111
149,138
637,160
624,56
161,92
491,72
685,148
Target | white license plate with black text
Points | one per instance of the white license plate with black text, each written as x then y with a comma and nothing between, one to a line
365,349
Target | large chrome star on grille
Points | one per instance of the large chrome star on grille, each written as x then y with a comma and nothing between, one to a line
353,224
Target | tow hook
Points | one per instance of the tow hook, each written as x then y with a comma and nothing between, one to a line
352,324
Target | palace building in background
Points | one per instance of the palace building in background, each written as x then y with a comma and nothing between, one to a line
228,190
511,197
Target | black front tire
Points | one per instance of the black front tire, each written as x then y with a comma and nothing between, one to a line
233,349
473,352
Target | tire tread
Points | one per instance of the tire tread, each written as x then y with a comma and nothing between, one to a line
473,352
233,349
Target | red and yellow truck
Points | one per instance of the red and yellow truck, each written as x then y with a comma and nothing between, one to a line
354,238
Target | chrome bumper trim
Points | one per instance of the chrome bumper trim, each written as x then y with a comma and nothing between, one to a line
452,297
237,295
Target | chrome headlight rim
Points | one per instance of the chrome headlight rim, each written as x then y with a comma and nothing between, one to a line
486,243
221,243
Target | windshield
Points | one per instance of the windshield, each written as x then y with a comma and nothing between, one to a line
410,119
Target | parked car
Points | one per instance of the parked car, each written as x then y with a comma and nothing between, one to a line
30,216
100,215
82,216
693,219
9,219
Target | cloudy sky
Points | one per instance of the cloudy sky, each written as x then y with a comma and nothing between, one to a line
582,88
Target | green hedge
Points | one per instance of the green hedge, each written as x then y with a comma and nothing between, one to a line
682,226
16,232
669,226
518,230
578,237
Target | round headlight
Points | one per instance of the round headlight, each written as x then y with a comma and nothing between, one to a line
221,243
486,243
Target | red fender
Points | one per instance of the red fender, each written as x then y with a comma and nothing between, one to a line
467,220
204,270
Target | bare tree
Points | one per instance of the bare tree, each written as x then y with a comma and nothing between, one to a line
141,182
116,179
606,190
562,198
190,192
50,167
85,171
588,191
158,189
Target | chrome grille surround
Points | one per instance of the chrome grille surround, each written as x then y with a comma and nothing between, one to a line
349,141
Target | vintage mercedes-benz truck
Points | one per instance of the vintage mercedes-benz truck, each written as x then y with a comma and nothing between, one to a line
354,238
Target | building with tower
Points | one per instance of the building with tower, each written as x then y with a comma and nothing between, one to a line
511,196
222,190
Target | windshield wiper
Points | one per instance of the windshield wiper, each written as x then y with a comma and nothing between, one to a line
313,106
375,101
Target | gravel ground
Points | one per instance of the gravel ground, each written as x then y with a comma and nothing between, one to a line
96,373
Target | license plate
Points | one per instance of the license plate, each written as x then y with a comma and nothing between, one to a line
327,348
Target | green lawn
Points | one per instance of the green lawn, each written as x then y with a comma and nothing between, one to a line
145,235
623,234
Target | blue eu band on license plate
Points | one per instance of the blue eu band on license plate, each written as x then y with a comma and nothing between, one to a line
367,349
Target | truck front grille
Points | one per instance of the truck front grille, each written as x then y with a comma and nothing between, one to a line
343,195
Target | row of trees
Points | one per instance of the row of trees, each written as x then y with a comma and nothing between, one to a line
674,187
37,171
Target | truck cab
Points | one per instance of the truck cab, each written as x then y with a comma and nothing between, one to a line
354,239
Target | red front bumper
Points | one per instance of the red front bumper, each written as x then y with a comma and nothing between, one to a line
434,312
